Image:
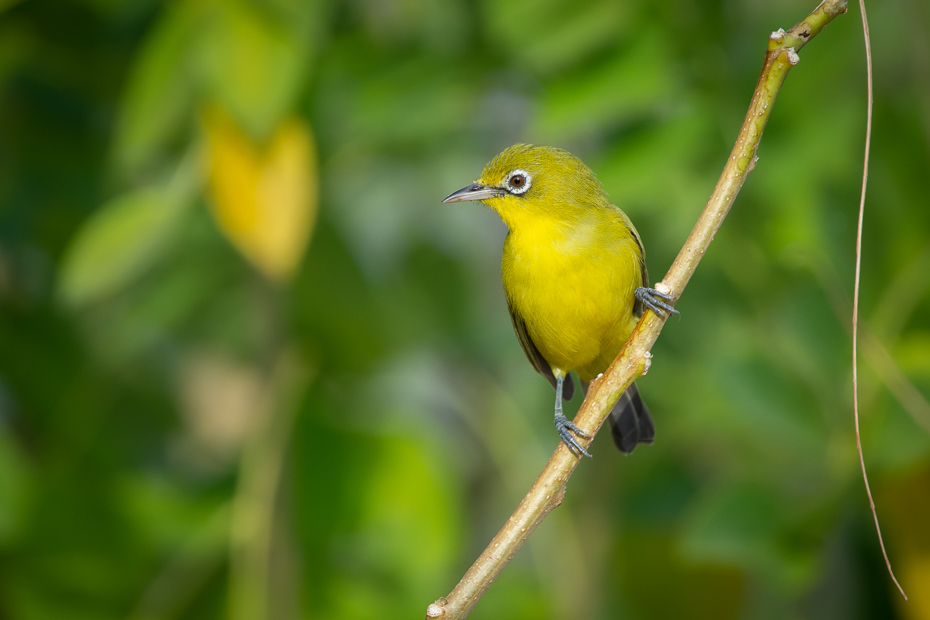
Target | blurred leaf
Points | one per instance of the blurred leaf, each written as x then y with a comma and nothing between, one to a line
407,102
743,526
119,242
420,510
654,171
911,354
264,196
896,441
407,503
15,45
636,82
159,94
769,408
165,515
6,4
14,484
253,64
732,526
552,35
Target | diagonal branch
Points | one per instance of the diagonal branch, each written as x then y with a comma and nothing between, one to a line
633,361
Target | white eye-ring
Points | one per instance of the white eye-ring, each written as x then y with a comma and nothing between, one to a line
519,181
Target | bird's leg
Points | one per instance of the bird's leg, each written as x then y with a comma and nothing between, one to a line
565,426
656,301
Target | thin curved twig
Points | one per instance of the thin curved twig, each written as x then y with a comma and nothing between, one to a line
855,312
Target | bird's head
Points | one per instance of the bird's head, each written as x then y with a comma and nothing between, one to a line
534,180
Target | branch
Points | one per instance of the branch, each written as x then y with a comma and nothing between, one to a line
633,361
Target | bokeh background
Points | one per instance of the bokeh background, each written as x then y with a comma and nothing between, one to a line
251,368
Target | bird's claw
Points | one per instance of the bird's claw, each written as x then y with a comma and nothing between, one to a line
656,301
566,427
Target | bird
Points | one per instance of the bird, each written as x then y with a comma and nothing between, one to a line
574,274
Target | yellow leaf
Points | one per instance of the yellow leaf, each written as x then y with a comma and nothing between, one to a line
264,197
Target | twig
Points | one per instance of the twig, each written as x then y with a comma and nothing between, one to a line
855,312
549,489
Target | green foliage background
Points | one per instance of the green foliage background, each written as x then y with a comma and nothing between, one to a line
405,423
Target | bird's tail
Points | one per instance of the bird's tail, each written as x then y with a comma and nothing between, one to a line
630,422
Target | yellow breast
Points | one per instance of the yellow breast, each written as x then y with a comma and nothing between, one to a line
573,285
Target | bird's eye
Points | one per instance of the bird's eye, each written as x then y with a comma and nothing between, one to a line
518,181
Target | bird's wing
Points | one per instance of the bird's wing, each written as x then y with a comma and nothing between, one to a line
638,305
536,358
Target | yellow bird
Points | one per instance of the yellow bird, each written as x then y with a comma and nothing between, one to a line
574,273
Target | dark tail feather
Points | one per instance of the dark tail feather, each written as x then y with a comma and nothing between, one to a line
630,422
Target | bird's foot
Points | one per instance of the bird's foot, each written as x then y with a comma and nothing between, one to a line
656,301
566,427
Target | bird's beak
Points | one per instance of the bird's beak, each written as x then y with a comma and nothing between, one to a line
474,192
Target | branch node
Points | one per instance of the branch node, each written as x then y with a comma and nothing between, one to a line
793,57
778,35
437,609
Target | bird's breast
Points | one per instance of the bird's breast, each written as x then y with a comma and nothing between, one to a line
573,286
